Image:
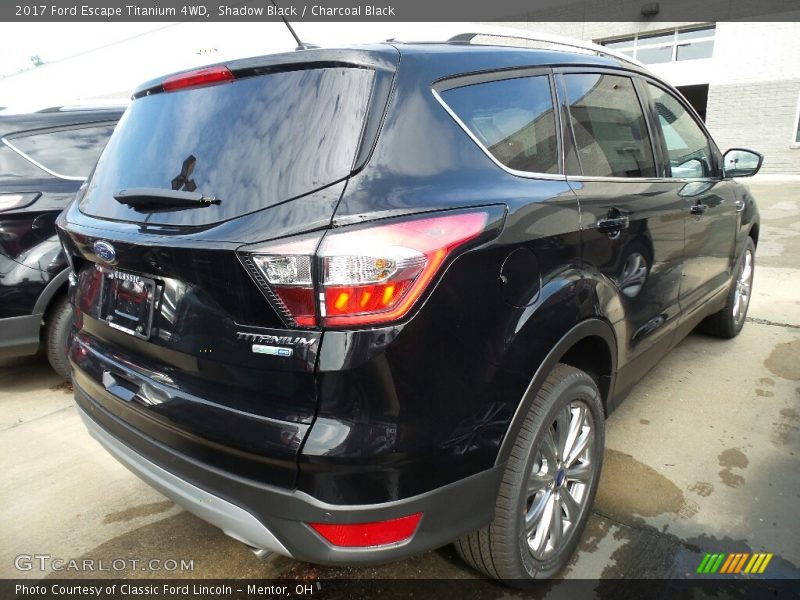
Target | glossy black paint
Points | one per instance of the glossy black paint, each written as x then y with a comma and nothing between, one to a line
376,415
32,264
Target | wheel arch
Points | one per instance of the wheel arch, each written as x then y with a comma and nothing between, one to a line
52,290
591,346
753,233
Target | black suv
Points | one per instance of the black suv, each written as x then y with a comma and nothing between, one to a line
44,158
353,304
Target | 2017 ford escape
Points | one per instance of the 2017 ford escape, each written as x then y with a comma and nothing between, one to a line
353,304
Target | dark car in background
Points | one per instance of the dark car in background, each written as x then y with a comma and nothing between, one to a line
45,157
353,304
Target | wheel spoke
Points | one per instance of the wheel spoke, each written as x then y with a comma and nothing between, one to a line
570,505
575,427
556,524
741,294
549,448
580,445
543,526
538,482
581,472
562,431
536,511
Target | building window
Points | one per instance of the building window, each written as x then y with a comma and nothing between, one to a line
684,43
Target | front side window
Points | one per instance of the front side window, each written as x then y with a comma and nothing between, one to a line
512,118
611,136
688,148
67,152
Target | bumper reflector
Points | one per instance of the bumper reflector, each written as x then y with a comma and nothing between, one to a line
363,535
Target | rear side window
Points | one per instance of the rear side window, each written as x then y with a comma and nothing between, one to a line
66,152
687,146
13,166
512,118
610,131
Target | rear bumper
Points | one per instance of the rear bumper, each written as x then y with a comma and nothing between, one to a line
19,336
275,519
234,521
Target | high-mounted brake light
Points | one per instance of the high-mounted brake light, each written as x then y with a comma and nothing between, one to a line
365,535
360,276
198,78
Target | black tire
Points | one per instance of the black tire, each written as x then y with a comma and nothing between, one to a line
501,550
56,331
725,324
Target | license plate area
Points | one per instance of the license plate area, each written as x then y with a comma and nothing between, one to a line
127,302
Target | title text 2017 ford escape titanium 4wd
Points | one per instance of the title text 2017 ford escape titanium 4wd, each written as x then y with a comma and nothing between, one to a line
353,304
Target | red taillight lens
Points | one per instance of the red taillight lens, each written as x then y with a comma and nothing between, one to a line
374,275
284,270
366,275
198,78
363,535
299,302
290,279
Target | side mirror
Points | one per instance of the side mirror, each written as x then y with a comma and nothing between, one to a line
739,162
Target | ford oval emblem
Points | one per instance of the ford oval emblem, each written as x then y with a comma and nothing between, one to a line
105,251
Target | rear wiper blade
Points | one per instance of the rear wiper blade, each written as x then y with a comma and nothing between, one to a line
156,199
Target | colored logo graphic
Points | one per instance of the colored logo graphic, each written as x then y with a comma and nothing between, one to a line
105,251
741,562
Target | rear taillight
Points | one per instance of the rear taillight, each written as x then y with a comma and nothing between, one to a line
375,275
366,535
285,271
363,275
198,78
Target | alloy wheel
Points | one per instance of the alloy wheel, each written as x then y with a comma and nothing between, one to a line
744,283
559,482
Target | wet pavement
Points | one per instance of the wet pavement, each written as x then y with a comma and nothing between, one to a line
703,456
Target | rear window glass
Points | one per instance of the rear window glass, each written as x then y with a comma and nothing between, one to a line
610,131
13,166
67,152
512,118
252,143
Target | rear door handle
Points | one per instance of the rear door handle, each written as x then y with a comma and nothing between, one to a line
613,224
698,209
